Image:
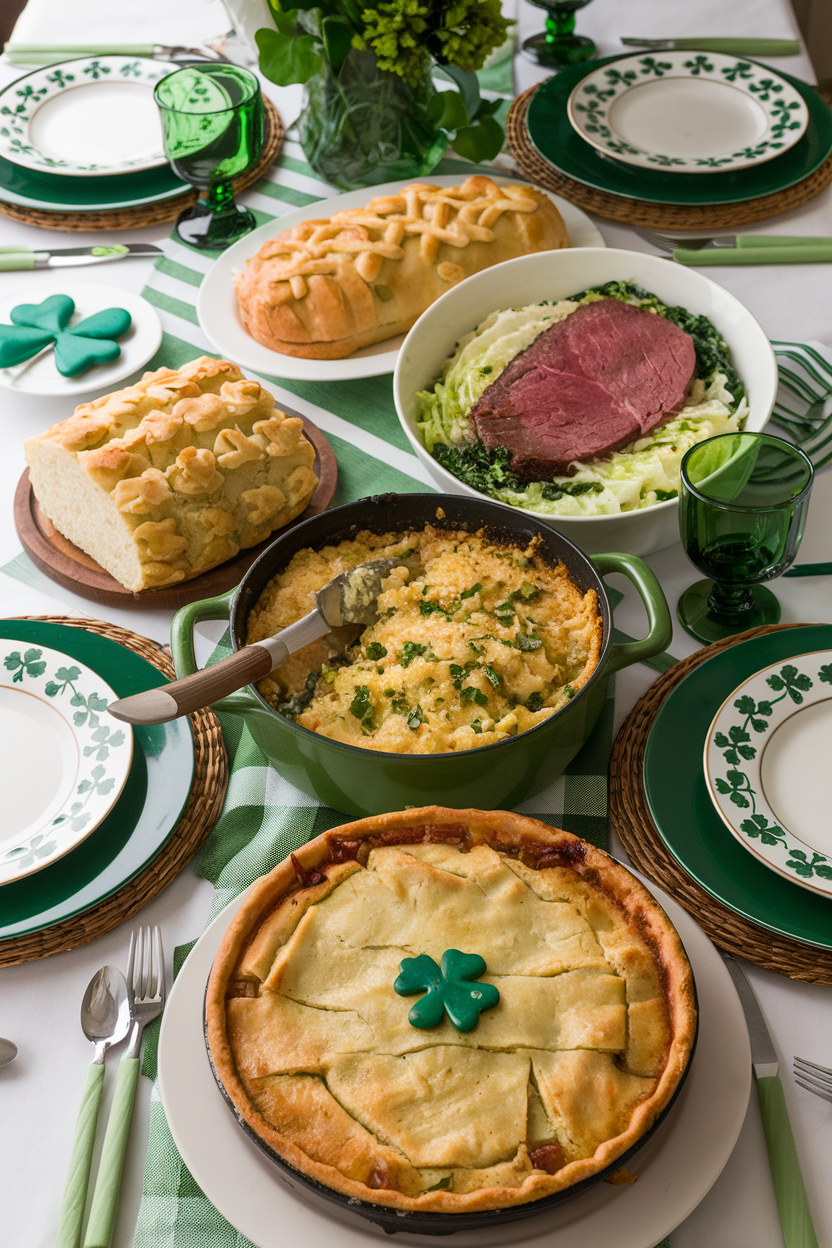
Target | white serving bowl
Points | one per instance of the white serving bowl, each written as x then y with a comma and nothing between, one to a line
556,275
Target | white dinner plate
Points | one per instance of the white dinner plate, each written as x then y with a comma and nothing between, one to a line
219,314
767,757
676,1168
40,374
86,118
688,112
63,763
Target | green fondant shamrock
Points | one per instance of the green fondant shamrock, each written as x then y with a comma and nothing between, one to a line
448,989
77,348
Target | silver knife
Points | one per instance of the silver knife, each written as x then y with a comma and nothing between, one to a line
792,1205
17,258
51,54
733,46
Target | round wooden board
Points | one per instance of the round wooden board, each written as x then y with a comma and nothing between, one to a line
63,562
133,217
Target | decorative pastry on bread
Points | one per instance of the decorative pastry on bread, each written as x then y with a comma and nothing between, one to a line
325,288
167,478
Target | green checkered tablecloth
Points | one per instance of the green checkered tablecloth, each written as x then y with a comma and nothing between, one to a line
265,817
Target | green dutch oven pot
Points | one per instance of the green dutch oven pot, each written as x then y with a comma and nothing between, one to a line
367,782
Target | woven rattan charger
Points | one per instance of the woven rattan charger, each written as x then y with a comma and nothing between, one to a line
200,814
150,214
637,212
630,816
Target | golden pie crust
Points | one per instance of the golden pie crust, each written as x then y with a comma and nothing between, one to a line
589,1041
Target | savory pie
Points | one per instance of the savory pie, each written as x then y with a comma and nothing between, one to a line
330,1056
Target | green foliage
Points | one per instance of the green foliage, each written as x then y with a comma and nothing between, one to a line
362,708
287,58
337,34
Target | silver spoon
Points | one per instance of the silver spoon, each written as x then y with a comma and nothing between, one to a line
349,598
105,1020
8,1051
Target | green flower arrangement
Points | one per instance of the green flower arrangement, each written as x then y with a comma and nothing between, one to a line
372,110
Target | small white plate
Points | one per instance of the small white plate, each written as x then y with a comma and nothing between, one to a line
767,757
675,1169
688,112
219,314
88,117
63,763
40,375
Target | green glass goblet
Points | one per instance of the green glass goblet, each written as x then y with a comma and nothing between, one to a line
212,121
742,507
559,46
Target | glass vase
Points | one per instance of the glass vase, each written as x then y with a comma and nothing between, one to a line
364,125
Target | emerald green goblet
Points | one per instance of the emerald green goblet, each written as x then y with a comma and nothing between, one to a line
742,507
212,121
558,45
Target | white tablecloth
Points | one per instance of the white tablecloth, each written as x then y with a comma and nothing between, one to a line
39,1002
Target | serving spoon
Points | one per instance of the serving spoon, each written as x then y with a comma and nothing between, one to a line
349,598
8,1051
105,1020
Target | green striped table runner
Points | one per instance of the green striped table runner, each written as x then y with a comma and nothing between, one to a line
265,817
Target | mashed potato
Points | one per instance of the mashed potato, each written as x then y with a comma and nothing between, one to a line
475,642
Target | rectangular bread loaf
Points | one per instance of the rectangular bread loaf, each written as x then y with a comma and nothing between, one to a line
325,288
170,477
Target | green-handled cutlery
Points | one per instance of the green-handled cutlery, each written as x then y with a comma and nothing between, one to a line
789,1191
105,1020
732,45
146,975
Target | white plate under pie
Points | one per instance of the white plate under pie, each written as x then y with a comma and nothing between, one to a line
767,768
675,1168
63,762
85,118
219,314
688,112
40,374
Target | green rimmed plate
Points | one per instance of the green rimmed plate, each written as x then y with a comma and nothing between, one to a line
557,142
141,822
63,763
30,188
681,806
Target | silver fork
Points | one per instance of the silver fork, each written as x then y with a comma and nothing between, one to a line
146,982
818,1079
668,244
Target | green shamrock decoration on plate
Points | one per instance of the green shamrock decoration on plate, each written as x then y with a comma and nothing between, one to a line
448,989
77,348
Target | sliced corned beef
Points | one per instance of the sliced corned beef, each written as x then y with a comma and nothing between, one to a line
606,375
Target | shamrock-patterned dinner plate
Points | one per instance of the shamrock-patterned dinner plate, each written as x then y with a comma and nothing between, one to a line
90,117
64,762
141,822
681,806
554,138
767,768
688,112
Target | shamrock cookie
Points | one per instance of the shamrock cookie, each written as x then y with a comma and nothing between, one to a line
77,347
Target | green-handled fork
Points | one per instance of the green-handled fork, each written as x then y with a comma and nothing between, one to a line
810,423
146,983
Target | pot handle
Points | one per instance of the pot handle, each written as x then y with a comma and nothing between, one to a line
660,624
182,646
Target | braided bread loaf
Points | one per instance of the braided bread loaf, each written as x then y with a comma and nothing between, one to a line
325,288
173,475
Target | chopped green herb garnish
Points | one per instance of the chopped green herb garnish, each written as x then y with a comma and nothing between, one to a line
569,691
409,651
528,591
486,370
380,671
475,648
428,608
399,704
389,693
528,641
375,650
472,694
329,674
235,537
491,675
296,705
416,717
442,1185
664,496
534,702
469,593
477,726
362,708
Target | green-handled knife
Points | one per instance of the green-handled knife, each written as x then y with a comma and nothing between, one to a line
792,1205
15,259
732,45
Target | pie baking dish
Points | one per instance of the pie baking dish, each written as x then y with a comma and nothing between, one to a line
459,1109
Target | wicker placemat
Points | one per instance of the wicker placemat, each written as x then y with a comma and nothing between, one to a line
148,214
630,816
638,212
200,815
